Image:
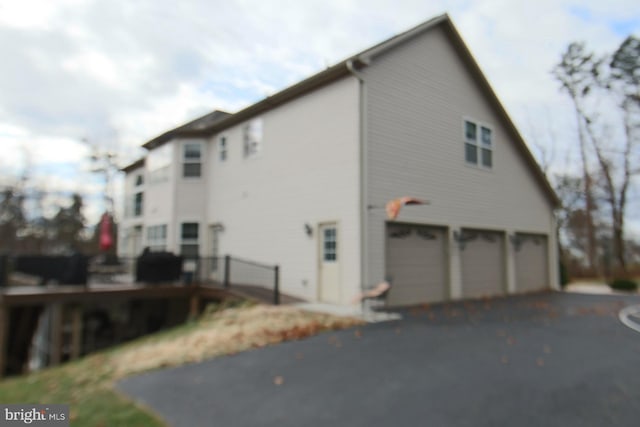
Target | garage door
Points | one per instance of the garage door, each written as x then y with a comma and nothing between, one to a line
531,262
416,264
482,258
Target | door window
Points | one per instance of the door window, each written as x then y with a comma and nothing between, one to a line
330,245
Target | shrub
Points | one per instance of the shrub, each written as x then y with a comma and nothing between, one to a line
564,274
624,285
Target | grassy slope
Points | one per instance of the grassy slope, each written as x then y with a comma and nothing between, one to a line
87,384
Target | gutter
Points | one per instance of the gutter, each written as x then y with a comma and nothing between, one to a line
364,223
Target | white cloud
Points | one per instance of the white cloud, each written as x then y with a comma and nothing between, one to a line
121,72
32,14
96,65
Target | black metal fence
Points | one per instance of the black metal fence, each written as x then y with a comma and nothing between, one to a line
226,272
68,270
244,272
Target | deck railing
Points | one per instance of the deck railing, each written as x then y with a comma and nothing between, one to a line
225,272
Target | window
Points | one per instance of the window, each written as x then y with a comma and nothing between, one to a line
252,138
486,148
139,180
157,237
330,248
192,160
137,204
222,148
189,247
478,145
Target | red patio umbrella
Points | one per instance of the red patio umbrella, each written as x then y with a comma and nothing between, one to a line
393,206
106,240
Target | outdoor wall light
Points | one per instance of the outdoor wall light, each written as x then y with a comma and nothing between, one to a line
516,241
459,238
462,237
308,229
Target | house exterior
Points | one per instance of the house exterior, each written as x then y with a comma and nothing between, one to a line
301,179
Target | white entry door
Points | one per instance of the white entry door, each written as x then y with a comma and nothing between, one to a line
329,282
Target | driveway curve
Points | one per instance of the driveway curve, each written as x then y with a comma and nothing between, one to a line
630,316
548,359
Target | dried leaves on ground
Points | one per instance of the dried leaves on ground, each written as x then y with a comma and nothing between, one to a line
226,332
87,384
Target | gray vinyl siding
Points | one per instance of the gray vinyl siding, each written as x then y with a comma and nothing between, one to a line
417,98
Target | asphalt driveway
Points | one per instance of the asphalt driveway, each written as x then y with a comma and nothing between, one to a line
541,360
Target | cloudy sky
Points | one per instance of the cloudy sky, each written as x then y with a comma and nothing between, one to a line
117,73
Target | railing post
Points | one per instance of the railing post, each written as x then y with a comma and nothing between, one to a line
55,334
227,271
4,270
276,287
4,338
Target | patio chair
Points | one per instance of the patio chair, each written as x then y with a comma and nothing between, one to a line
376,297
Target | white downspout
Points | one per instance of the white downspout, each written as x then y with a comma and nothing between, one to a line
364,211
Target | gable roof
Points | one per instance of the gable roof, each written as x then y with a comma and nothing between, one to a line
194,126
133,166
213,123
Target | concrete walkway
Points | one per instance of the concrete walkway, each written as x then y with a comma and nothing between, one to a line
368,315
592,287
585,287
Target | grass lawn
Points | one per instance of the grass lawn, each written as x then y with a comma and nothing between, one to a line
87,384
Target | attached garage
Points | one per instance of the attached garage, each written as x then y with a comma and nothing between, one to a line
416,264
483,263
531,261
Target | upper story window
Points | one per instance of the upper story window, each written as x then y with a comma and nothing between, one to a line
252,134
137,204
139,180
192,160
222,148
478,144
157,237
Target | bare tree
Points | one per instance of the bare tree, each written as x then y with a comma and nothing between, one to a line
544,142
611,134
624,81
573,72
12,218
69,223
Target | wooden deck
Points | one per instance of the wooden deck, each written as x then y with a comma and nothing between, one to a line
30,300
37,295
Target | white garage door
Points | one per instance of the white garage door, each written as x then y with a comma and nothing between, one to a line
482,258
416,264
531,262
